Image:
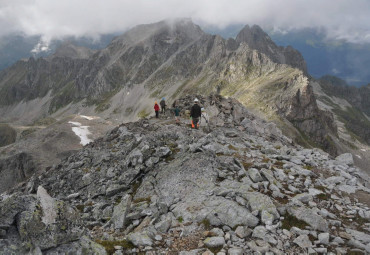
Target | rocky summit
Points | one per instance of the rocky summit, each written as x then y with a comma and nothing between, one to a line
236,185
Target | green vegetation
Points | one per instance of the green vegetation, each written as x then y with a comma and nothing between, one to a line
109,245
323,196
141,199
231,147
247,165
143,114
180,219
28,131
206,223
63,97
44,121
8,135
103,103
291,221
308,167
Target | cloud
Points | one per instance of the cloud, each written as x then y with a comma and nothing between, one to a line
341,19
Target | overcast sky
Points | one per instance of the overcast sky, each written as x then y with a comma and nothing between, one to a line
342,19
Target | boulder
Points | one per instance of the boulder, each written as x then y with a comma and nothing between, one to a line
231,214
309,216
260,202
120,212
50,223
140,239
255,175
214,242
345,158
303,241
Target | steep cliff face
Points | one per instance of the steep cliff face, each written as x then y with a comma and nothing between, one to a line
257,39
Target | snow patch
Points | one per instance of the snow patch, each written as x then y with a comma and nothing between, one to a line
89,117
359,156
82,132
75,123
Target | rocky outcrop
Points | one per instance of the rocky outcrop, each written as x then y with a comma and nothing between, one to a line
259,40
236,185
41,223
303,112
15,169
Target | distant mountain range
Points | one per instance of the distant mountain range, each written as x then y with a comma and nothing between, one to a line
348,61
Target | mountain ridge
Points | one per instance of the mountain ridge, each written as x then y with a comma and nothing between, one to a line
153,186
121,82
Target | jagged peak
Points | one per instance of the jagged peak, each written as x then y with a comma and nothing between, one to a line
183,26
69,50
254,36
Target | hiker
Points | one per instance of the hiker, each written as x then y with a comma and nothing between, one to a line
174,104
156,109
163,104
177,114
195,114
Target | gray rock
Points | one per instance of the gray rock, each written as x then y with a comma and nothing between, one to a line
214,242
321,250
324,238
260,202
162,152
115,189
259,232
242,232
140,239
360,236
303,197
135,157
217,232
310,217
338,240
82,246
359,245
120,212
303,241
345,158
13,205
164,226
50,223
231,214
255,175
335,179
258,248
235,251
2,233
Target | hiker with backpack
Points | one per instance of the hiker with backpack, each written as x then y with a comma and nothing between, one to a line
195,114
163,105
176,111
156,109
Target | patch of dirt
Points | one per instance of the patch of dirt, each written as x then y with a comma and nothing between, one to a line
362,197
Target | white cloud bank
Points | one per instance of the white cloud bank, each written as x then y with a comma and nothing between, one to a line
342,19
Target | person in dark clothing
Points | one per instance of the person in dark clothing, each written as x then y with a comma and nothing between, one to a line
163,105
195,114
177,114
156,109
174,104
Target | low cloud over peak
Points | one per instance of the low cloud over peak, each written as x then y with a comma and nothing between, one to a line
341,19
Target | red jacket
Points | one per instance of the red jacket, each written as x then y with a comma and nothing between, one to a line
156,107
